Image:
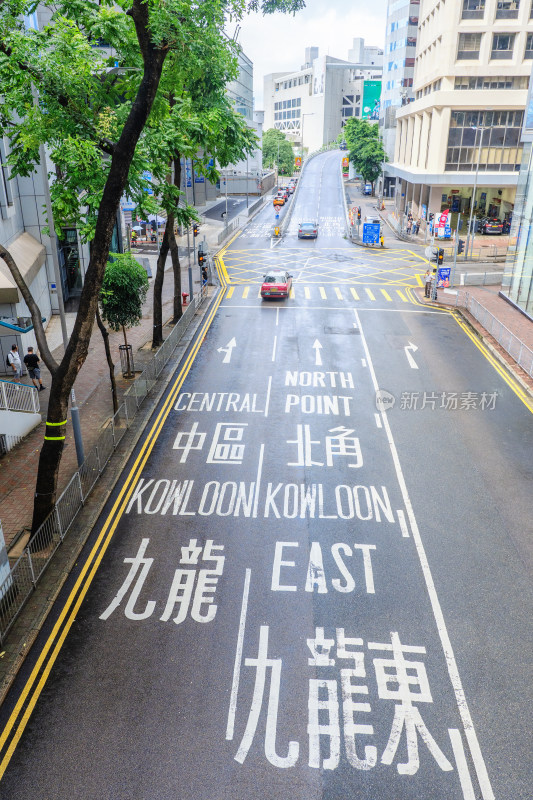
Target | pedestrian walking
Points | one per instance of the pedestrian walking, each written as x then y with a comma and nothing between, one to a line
32,362
13,361
427,283
409,226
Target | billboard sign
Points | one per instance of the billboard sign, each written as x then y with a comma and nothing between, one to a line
371,100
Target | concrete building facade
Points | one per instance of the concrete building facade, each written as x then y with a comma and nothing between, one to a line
398,69
312,104
473,60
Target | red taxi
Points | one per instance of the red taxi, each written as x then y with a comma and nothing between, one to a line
276,283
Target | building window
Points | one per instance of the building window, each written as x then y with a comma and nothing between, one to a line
473,9
480,82
347,100
500,150
507,9
531,11
529,46
469,45
4,176
347,112
502,46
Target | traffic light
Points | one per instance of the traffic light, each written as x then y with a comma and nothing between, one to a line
195,229
440,256
460,246
359,213
201,257
431,217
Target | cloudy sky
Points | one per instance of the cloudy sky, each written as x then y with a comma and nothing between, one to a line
277,42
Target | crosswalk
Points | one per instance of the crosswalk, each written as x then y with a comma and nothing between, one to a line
328,293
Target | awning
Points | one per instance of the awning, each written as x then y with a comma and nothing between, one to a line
29,256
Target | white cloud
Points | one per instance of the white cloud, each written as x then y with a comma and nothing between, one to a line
277,43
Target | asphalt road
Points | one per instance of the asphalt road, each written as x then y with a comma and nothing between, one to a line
320,582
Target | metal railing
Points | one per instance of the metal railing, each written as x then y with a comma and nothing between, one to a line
519,352
19,585
18,397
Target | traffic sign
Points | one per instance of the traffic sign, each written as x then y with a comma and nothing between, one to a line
371,232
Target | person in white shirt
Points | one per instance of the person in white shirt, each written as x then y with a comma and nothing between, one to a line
13,359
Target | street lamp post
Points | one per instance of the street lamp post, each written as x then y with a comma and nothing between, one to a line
470,235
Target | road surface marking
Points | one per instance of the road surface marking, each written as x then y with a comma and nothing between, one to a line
462,766
419,279
401,295
410,359
370,294
228,349
274,348
323,294
67,616
269,389
238,658
245,292
339,293
291,294
258,480
386,295
354,294
378,421
403,524
230,292
317,347
464,711
363,362
277,316
307,293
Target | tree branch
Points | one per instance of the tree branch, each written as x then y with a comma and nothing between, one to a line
35,312
104,144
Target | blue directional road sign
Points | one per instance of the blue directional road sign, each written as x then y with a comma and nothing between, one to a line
371,232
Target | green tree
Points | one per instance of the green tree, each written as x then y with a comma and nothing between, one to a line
89,106
365,149
122,295
277,150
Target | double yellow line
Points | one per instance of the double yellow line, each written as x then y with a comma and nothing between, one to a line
20,715
502,372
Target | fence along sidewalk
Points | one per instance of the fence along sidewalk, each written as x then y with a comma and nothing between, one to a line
517,349
22,579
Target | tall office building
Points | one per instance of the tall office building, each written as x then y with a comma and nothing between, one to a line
311,105
473,60
398,70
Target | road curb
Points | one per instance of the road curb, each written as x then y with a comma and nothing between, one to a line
488,344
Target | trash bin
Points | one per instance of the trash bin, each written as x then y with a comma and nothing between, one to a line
126,360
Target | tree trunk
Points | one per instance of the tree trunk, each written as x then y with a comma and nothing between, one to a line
105,337
174,253
76,352
157,336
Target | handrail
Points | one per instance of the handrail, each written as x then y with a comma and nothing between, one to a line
18,397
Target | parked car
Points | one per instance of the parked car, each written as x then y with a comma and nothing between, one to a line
491,225
308,230
276,283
